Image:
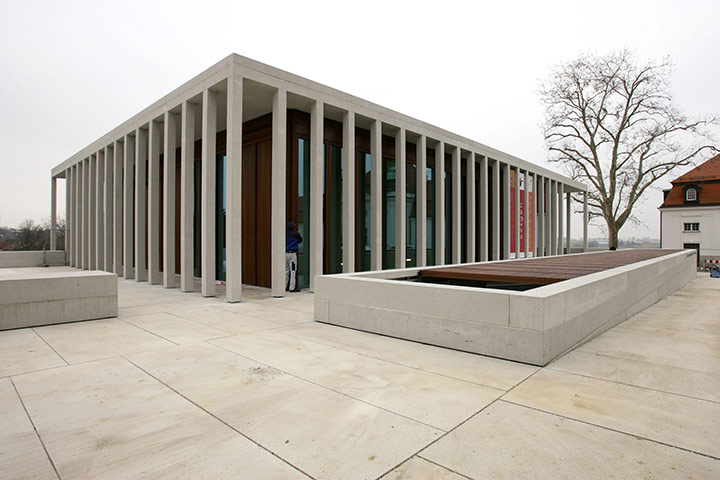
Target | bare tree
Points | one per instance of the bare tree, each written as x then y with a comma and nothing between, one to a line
612,123
30,236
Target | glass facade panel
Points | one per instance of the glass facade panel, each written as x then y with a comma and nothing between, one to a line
463,222
448,216
362,210
411,216
220,206
303,214
332,227
388,213
430,209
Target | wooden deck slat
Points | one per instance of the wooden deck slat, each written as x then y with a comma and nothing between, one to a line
544,270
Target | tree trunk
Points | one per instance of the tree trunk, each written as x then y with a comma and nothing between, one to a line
612,235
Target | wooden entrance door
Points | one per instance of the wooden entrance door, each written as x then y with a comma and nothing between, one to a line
256,201
696,247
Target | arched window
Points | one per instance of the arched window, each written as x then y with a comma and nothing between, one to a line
690,195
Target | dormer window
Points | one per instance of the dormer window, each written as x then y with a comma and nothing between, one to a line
691,194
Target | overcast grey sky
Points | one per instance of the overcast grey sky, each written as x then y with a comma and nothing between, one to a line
72,70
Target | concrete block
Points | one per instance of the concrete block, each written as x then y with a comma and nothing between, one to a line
533,326
321,310
526,312
47,298
31,258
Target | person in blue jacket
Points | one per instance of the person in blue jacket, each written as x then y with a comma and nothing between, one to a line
292,243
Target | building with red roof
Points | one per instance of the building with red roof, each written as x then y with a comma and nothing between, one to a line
690,212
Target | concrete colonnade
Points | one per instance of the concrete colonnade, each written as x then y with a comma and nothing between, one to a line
115,204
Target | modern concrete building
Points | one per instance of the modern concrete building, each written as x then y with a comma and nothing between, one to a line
253,147
690,213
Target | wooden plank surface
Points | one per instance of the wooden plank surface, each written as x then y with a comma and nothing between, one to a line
544,270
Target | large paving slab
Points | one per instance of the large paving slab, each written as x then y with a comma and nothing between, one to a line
118,422
175,329
24,351
323,433
507,441
671,419
21,454
681,381
488,371
85,341
435,400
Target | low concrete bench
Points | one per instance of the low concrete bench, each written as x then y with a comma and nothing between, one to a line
34,258
29,299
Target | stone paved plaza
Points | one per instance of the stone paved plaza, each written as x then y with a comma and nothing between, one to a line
180,386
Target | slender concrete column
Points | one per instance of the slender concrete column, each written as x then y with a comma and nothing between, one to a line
400,199
421,200
92,210
440,204
456,253
585,222
209,191
279,191
568,218
108,206
118,204
553,218
169,196
187,174
376,230
53,213
497,211
548,217
540,223
470,209
100,210
141,156
506,211
129,207
561,216
233,189
86,214
154,184
516,225
348,222
549,242
317,169
78,214
483,208
526,214
68,216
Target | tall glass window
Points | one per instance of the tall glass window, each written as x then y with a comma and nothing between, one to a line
388,213
463,220
362,210
411,216
220,206
303,276
332,225
448,216
430,209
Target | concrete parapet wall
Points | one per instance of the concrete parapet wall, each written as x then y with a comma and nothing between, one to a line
33,258
33,299
534,326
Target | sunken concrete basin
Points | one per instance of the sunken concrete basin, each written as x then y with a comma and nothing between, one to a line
33,298
533,326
